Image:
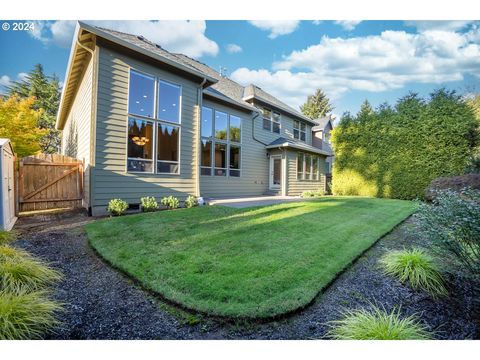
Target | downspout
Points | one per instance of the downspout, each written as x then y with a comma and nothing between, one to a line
93,121
199,135
253,130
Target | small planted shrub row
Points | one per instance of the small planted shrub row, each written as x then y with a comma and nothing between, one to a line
311,193
117,207
170,202
26,308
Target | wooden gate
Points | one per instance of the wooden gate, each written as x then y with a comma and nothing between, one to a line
49,181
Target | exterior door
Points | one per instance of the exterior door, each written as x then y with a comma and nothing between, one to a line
275,172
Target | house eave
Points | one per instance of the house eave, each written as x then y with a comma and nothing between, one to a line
299,147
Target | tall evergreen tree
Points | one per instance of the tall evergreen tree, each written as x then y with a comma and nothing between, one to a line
46,91
317,105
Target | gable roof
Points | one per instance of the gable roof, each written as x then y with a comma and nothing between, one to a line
224,89
79,52
216,86
254,92
295,144
322,123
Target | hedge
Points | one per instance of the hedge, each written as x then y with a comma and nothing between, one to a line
395,152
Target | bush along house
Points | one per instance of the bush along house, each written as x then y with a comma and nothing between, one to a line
148,122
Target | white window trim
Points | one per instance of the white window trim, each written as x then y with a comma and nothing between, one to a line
300,131
279,122
304,172
155,120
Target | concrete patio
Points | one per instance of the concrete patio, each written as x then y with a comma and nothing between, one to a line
248,201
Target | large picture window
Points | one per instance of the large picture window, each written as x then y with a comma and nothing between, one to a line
169,102
141,94
206,157
299,130
220,159
234,169
221,125
167,150
207,122
220,144
160,126
235,128
140,145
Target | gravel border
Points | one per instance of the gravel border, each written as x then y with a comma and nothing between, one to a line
103,304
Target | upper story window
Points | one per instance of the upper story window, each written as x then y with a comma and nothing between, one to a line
141,95
153,126
299,130
168,102
271,120
221,143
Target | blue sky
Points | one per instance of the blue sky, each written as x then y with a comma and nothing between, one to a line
350,60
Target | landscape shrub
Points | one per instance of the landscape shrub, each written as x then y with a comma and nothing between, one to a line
20,272
117,207
311,193
377,324
416,268
452,223
396,152
7,237
148,203
191,201
455,183
170,202
26,315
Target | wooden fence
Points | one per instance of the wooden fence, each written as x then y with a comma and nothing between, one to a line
49,181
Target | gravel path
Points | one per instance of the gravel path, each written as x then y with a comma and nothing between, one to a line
103,304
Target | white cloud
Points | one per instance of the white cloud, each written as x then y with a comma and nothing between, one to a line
317,22
348,25
276,27
234,48
374,63
187,37
446,25
5,81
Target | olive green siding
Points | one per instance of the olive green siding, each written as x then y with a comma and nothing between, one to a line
110,178
253,179
296,187
76,133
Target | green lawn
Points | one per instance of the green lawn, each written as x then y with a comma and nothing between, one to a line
255,262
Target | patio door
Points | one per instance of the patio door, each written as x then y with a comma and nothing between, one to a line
275,172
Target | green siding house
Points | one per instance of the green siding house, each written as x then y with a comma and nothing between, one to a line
147,122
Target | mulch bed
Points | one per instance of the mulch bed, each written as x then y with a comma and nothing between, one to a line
100,303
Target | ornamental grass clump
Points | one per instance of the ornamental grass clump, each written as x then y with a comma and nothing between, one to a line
415,268
310,193
26,315
25,272
170,202
148,204
117,207
7,237
377,324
